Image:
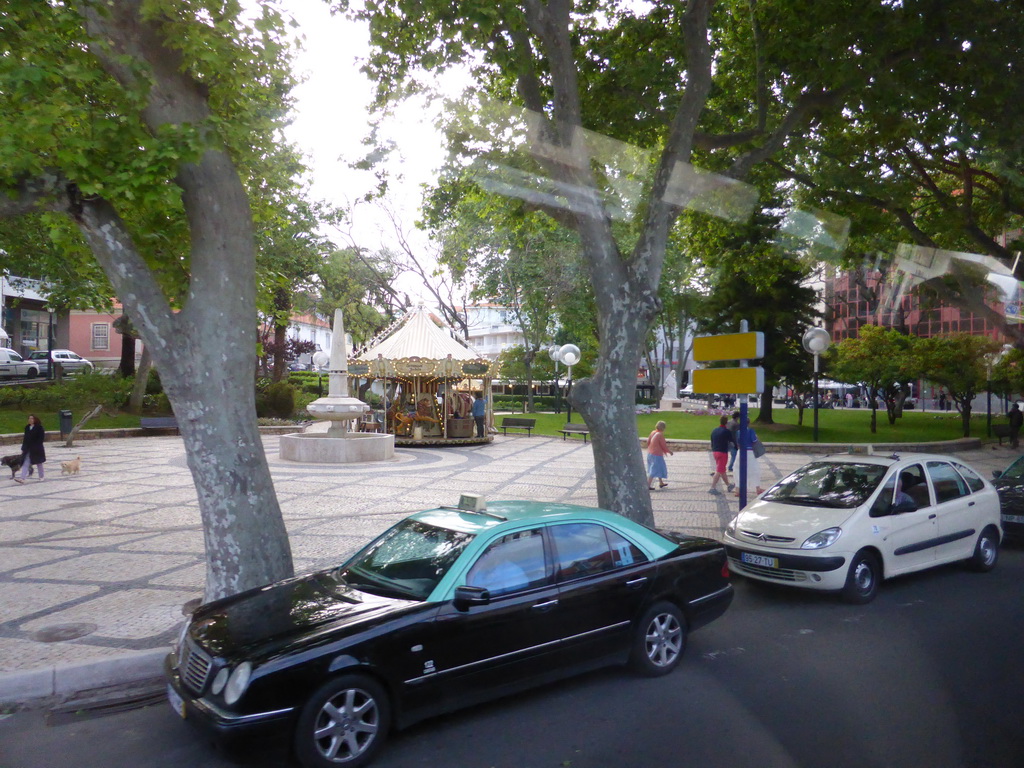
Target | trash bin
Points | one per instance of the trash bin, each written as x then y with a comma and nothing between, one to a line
65,422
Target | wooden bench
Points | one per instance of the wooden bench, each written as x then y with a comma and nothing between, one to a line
575,429
1001,431
516,422
158,422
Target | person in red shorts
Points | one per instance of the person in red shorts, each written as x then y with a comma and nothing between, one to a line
657,449
721,439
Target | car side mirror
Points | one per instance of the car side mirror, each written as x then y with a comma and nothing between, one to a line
996,474
467,596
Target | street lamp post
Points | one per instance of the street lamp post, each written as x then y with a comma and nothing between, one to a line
320,359
555,353
816,341
570,355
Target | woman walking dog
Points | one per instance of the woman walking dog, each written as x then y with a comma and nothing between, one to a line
32,450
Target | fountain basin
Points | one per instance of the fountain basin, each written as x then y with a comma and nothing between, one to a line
354,447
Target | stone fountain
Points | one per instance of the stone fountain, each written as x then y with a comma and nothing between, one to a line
340,444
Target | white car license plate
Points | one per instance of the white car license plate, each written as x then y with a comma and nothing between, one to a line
1013,518
762,560
177,703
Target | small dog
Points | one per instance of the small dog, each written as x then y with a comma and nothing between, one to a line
14,462
71,467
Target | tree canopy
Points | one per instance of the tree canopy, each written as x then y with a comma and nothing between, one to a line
147,133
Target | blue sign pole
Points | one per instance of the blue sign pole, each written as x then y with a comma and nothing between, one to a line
743,443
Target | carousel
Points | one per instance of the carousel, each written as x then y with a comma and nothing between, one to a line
430,379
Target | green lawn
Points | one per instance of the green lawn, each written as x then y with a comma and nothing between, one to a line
834,426
15,421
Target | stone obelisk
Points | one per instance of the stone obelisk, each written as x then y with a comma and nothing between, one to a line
337,406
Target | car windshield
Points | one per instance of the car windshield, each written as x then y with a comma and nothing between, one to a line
1015,471
406,562
842,485
37,356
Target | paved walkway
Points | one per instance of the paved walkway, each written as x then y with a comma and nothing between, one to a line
95,568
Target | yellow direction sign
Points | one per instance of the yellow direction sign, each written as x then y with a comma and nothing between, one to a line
738,381
728,346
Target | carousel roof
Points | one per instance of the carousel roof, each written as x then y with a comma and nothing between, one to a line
416,334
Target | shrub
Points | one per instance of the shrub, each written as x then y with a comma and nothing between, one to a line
84,389
276,400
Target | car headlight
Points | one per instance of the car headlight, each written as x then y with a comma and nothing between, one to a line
237,682
731,527
220,681
822,539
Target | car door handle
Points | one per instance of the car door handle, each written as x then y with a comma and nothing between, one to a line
970,503
547,605
931,517
634,583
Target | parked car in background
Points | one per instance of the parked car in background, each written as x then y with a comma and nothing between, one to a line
1010,486
845,523
70,362
12,365
450,607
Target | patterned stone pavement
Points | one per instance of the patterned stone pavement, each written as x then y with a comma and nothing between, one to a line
95,568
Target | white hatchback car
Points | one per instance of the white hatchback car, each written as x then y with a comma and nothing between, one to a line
845,523
71,362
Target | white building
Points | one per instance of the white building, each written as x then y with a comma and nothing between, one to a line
491,329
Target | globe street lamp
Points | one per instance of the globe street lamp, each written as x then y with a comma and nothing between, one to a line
320,361
816,341
570,355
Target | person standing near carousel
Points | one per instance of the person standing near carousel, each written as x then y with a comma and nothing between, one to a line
32,450
479,412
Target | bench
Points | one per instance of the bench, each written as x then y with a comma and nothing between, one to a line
1001,431
515,422
158,422
575,429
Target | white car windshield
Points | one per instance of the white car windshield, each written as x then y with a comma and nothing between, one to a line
842,485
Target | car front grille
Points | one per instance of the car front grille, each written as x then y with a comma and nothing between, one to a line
767,537
777,574
194,667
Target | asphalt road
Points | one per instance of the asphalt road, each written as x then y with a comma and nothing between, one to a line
930,675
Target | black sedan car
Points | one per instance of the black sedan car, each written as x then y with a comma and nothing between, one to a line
1010,485
449,607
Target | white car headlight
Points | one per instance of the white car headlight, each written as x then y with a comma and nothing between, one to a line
220,681
822,539
731,527
237,682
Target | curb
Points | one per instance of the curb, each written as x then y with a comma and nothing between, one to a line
36,686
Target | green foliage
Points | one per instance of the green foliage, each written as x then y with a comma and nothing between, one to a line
276,400
884,360
82,390
958,362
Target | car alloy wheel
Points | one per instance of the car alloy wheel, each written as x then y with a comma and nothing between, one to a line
986,551
659,641
862,579
343,723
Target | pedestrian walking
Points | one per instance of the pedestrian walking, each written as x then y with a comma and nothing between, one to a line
32,450
755,449
734,427
657,449
721,439
479,412
1016,418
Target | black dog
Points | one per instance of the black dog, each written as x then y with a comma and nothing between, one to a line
14,462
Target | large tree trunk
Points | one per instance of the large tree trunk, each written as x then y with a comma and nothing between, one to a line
204,351
141,379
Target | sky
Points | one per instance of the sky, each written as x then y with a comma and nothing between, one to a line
332,120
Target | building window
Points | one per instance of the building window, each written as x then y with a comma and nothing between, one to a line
100,336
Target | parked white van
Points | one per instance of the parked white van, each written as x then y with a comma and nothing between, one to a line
13,365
